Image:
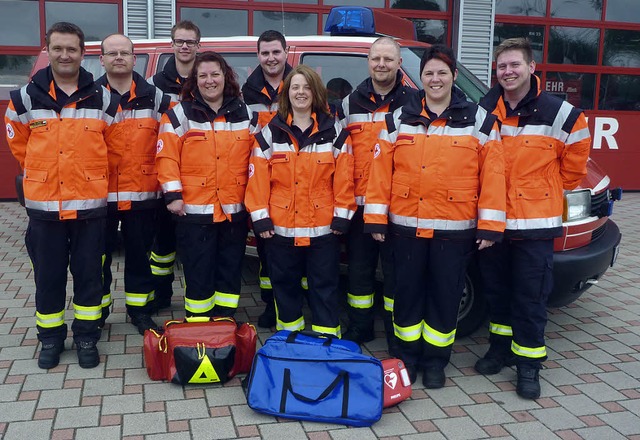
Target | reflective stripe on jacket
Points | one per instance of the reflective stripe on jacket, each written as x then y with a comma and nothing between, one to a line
546,145
301,191
63,149
133,184
203,157
364,117
439,177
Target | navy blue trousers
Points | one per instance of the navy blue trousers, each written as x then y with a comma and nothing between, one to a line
518,278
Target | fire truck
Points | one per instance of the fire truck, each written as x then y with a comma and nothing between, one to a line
590,240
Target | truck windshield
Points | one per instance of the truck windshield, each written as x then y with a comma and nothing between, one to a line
469,84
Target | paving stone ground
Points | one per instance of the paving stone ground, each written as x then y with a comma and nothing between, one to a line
590,387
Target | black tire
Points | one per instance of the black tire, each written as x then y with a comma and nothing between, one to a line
473,310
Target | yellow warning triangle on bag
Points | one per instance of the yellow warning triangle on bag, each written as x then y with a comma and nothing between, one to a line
205,372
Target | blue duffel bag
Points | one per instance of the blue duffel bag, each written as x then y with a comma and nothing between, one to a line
315,377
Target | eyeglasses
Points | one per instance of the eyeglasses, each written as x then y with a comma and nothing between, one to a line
118,53
189,43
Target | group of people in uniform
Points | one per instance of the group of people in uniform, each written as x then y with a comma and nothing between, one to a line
420,180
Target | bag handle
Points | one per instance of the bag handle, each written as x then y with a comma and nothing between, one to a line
329,337
190,319
342,376
206,319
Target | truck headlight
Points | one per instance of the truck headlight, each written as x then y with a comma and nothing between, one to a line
577,205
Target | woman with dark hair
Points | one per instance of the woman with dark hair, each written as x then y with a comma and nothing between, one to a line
202,158
301,197
437,184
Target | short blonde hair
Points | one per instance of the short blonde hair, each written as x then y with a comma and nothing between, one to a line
521,44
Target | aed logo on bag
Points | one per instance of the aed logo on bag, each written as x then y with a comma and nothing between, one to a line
397,386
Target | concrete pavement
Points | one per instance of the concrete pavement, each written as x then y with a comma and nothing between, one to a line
590,387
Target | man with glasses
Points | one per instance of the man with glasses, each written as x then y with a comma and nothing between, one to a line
260,93
134,193
185,40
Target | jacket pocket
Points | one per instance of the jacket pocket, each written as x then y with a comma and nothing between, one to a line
536,202
193,180
405,151
241,180
405,140
325,159
533,193
322,202
400,189
279,159
539,144
94,126
148,125
323,172
148,169
238,159
91,174
470,146
280,201
281,170
462,195
463,203
35,175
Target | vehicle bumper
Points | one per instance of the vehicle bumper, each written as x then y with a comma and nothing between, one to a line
576,270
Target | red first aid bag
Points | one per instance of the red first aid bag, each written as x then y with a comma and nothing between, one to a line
199,350
397,386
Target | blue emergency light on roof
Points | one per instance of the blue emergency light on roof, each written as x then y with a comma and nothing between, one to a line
350,20
367,22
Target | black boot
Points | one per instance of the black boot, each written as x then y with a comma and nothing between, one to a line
360,326
528,386
88,356
224,312
163,293
143,321
268,317
497,357
50,354
393,344
433,377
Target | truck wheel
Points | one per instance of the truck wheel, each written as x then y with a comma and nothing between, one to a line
473,310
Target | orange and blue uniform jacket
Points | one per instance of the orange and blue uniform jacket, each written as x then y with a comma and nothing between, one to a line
301,191
438,176
546,147
133,184
63,148
364,116
203,157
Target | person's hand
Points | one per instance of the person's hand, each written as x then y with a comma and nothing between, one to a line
267,234
177,207
483,244
378,236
